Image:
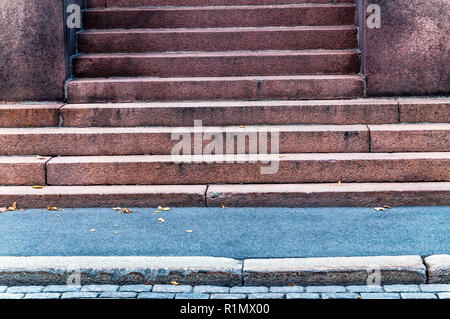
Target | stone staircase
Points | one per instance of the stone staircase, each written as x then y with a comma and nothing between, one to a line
146,70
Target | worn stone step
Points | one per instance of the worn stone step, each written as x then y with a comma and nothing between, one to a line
149,3
158,140
251,169
213,113
329,195
219,39
216,64
104,196
225,16
29,115
435,110
410,137
22,170
146,89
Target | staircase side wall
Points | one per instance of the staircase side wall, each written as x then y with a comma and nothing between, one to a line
409,54
35,47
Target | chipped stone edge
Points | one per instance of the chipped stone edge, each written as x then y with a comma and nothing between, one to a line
222,271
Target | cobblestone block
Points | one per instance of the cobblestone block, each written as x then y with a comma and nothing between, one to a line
43,295
100,288
289,289
369,288
248,289
401,288
3,289
384,295
24,289
62,288
118,294
269,295
79,295
172,288
302,296
136,288
211,290
418,295
438,268
155,295
444,295
435,287
11,296
228,296
344,295
325,289
191,296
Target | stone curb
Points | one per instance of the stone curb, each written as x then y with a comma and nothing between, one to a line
16,271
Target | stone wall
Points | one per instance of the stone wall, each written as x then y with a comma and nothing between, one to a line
34,49
409,54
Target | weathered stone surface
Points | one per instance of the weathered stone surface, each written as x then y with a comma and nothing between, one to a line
302,296
401,288
24,289
270,295
17,170
444,295
333,271
42,296
385,295
136,288
416,110
412,295
118,295
191,296
213,113
367,288
172,288
408,54
29,115
435,287
248,290
347,295
438,268
79,295
11,296
155,295
62,288
100,288
288,289
211,290
121,270
325,289
321,195
228,296
104,196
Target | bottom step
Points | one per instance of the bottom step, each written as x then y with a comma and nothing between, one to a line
281,195
133,89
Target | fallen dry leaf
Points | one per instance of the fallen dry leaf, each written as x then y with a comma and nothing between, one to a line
156,212
3,209
52,208
13,207
223,206
189,231
174,283
93,230
117,208
162,220
387,206
339,183
41,157
165,208
37,186
159,207
126,211
380,209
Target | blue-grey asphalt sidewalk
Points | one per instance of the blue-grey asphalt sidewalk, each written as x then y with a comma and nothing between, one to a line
227,232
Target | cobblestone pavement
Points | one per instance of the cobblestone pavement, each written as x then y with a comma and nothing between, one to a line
427,291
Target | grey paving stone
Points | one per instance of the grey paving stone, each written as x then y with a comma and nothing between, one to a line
100,288
325,289
367,288
444,295
118,294
62,288
342,295
211,290
248,289
11,296
172,288
43,295
289,289
3,289
418,295
191,296
302,296
79,295
438,268
155,295
435,287
384,295
401,288
269,295
24,289
136,288
228,296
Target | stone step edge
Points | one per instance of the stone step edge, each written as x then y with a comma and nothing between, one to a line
246,195
190,270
